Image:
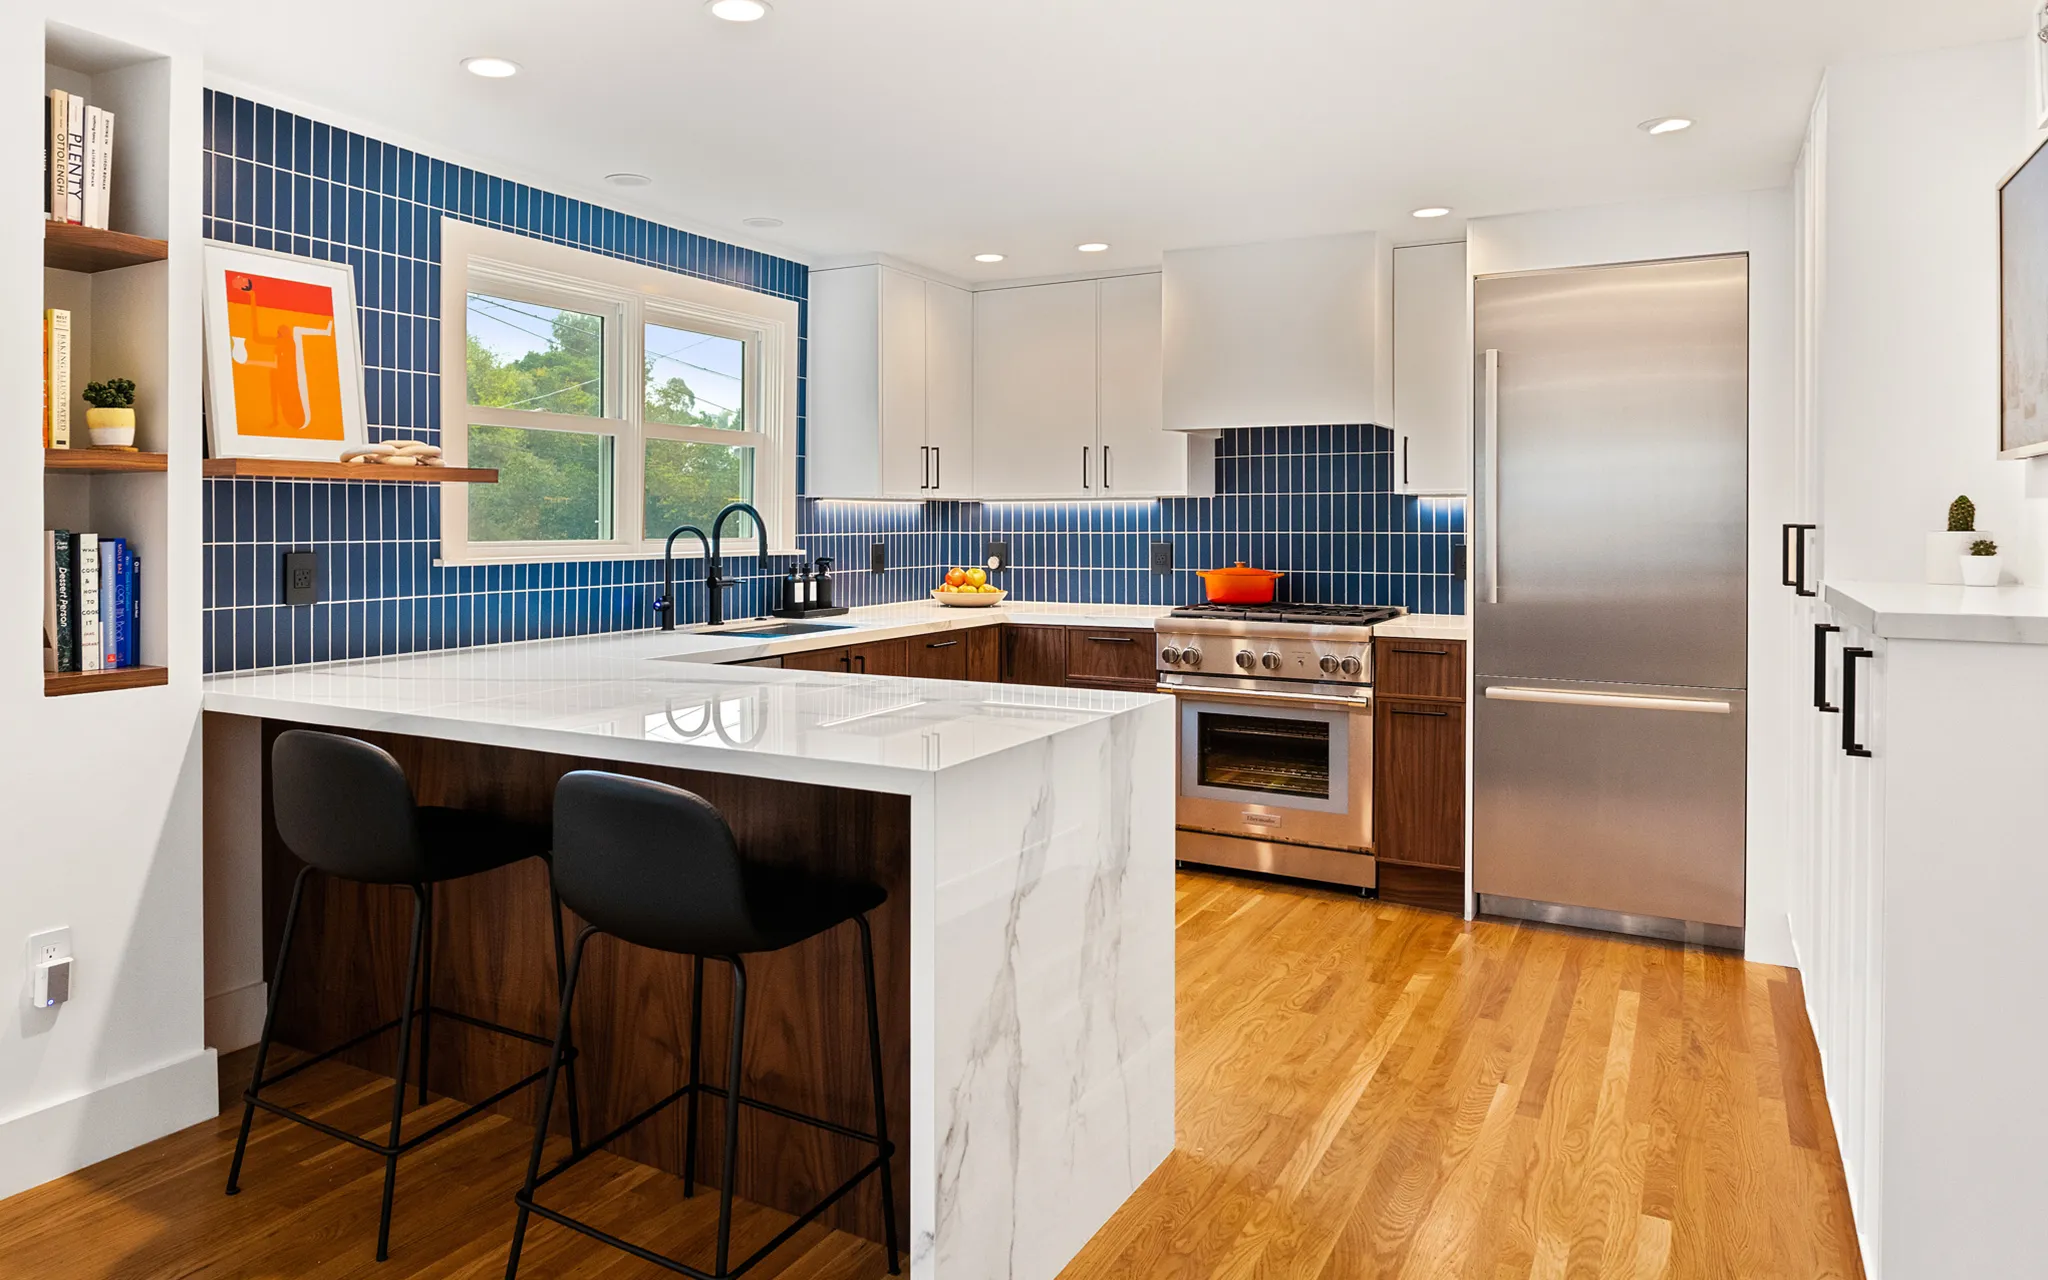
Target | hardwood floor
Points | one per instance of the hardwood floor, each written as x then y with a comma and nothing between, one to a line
1365,1091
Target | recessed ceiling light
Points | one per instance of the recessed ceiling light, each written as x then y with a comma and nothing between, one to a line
738,10
763,223
988,257
1665,124
1093,246
1432,211
629,179
491,68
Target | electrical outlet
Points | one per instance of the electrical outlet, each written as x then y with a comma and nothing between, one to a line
878,558
49,966
302,577
1162,557
998,557
52,944
1458,560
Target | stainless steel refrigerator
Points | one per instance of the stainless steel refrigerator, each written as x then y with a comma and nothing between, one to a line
1609,518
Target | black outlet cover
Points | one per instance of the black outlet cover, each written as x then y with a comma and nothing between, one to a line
1458,555
999,552
878,558
1162,557
302,577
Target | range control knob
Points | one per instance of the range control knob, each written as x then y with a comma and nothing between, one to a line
1245,659
1350,666
1170,656
1329,665
1191,657
1270,662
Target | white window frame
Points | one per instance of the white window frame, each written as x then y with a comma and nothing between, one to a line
627,297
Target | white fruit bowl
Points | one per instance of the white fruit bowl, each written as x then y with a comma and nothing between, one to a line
969,599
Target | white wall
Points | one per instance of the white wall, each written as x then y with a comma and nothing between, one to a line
101,791
1760,224
1909,359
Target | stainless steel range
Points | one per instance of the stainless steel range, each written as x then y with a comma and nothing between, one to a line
1275,736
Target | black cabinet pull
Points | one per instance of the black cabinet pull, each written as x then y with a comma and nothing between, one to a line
1792,557
1434,653
941,644
1850,657
1108,476
924,467
1404,459
938,468
846,662
1084,466
1820,666
1418,711
862,659
1114,639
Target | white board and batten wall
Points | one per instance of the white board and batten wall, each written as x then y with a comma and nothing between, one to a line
921,389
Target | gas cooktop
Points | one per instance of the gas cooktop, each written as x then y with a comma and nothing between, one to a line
1353,615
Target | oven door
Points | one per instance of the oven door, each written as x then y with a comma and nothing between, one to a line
1290,768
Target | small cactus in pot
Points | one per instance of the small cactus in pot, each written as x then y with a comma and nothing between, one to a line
111,419
1962,515
1980,563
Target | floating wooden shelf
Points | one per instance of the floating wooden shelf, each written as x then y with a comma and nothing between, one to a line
103,461
56,684
70,247
286,469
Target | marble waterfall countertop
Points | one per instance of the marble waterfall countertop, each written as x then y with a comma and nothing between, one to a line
1040,869
1926,611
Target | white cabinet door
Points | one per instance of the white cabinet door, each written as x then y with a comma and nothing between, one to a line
1432,369
949,388
1139,456
905,470
1034,392
843,448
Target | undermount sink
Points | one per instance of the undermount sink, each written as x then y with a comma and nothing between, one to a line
780,630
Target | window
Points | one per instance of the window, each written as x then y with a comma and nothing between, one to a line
615,401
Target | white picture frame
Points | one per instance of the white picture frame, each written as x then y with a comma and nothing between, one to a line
332,414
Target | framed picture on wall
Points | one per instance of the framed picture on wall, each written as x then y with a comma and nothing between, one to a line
284,364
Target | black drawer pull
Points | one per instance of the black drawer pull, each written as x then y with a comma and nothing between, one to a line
1820,666
1417,711
1850,657
941,644
1114,639
1434,653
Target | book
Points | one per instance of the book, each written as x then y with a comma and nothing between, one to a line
106,169
57,378
74,158
92,165
52,647
113,603
57,151
47,102
63,584
90,655
134,609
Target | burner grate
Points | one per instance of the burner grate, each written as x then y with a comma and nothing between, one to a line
1297,614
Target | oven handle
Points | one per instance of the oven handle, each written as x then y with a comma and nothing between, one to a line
1278,699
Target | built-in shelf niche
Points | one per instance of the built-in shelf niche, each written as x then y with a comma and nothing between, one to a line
116,285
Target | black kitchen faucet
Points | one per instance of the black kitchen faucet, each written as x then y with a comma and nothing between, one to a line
715,581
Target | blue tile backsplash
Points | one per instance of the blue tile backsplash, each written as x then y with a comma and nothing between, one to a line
1314,502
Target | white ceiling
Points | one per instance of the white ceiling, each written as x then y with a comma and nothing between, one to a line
931,130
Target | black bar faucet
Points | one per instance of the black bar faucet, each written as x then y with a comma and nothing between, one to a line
665,603
715,581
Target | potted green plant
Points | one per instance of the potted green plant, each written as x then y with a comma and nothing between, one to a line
1979,564
1946,550
112,416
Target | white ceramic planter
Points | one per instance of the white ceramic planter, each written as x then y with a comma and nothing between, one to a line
1945,549
1979,571
111,428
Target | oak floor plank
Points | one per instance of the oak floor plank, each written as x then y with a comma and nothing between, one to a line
1364,1091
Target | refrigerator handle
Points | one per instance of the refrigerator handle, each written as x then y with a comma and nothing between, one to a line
1820,665
1850,746
1489,461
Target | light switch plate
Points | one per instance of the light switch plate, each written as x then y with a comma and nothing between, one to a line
878,557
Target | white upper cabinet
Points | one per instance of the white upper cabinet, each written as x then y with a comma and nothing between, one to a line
889,372
1034,390
1138,456
1287,333
1432,369
949,388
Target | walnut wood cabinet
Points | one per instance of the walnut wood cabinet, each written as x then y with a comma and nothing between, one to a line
1419,771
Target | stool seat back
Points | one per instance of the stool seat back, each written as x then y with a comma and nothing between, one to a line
344,806
653,864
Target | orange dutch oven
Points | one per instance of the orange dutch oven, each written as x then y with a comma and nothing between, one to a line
1239,585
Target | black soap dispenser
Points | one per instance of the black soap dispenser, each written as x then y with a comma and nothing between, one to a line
821,585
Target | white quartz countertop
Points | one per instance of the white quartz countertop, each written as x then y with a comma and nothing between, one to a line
1426,626
661,698
1924,611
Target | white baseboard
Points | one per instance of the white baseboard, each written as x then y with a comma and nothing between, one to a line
234,1019
66,1136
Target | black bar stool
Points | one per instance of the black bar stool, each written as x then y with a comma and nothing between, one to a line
343,806
656,866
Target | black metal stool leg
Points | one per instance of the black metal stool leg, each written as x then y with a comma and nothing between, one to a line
547,1101
730,1168
867,957
561,992
420,909
284,949
427,997
696,1043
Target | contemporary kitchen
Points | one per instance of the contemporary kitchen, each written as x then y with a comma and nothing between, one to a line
1025,641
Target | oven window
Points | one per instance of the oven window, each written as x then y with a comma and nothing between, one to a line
1268,754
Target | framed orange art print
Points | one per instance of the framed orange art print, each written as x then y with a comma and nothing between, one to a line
284,367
